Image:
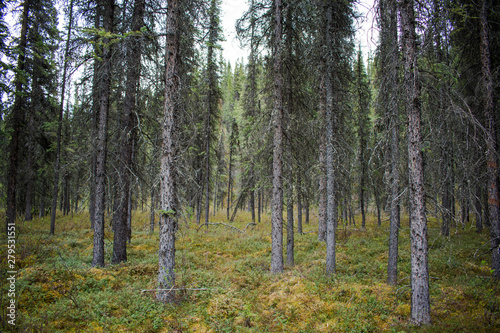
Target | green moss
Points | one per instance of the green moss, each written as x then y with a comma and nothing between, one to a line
58,291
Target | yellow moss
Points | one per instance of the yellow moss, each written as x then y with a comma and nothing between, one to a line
403,310
224,305
144,248
100,274
95,327
200,327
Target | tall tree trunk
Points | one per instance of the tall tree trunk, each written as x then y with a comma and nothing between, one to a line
101,142
420,305
232,139
95,110
331,204
491,141
211,98
16,119
168,195
121,218
388,98
277,209
322,164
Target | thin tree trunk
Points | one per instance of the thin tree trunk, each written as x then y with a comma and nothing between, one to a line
101,142
168,195
229,178
211,99
491,142
259,204
307,210
478,209
122,216
389,98
152,213
290,239
420,304
277,209
299,212
322,163
331,206
95,109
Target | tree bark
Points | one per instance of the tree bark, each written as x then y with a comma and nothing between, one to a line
290,237
277,209
121,217
299,211
420,305
491,142
322,165
102,134
388,99
331,205
59,126
168,195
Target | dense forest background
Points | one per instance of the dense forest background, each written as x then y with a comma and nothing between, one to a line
124,128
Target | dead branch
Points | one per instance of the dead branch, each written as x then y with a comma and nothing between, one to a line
224,224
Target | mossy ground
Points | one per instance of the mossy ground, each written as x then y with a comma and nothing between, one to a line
59,291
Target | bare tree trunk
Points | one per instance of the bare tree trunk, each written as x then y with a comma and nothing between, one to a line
299,212
331,205
152,213
259,204
322,163
290,239
277,209
122,212
168,195
307,210
388,98
101,142
211,99
420,305
491,142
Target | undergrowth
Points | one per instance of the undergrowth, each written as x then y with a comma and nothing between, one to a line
58,290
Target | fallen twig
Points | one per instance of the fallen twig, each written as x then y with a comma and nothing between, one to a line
175,289
253,224
220,223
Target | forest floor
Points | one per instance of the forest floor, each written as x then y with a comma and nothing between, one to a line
57,290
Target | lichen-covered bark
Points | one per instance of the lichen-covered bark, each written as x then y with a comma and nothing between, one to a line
277,209
168,195
420,302
102,138
120,221
331,205
388,98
